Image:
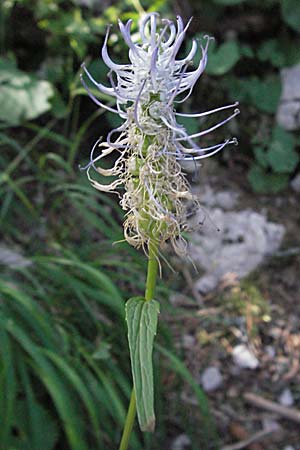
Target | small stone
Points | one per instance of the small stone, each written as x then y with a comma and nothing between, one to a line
223,199
295,183
244,358
232,392
188,341
177,299
226,242
206,284
288,112
211,379
270,424
270,351
181,442
286,398
288,447
226,199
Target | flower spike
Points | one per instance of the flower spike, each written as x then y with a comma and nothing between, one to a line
150,144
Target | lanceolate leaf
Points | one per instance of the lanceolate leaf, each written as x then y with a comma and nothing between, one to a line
141,316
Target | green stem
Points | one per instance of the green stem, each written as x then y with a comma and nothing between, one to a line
129,422
152,271
149,295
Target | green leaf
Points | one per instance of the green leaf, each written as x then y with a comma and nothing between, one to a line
141,317
263,182
281,154
58,107
263,94
290,10
32,419
270,51
261,156
35,424
223,58
246,51
22,96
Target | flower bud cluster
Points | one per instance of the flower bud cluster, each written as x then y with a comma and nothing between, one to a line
150,143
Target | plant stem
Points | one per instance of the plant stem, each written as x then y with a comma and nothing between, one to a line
152,271
129,422
149,294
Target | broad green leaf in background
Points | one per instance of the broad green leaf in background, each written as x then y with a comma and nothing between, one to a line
270,51
263,94
141,317
222,59
22,96
261,156
281,154
290,10
246,51
264,182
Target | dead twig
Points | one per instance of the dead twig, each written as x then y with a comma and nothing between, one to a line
254,438
284,411
213,311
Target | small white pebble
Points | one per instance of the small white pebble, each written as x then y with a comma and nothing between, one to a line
270,350
181,442
243,357
270,424
188,341
211,379
286,398
295,183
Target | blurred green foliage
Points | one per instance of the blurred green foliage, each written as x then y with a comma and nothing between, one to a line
64,373
22,96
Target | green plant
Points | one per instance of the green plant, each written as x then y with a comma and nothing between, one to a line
276,159
148,146
45,356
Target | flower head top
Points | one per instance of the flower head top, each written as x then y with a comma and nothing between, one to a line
150,143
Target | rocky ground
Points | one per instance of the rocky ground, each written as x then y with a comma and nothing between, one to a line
241,333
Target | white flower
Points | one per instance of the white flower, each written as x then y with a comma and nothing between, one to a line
150,142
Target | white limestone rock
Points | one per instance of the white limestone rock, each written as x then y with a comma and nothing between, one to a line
288,112
181,442
224,199
231,242
244,357
211,379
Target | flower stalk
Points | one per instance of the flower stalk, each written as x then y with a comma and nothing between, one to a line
149,295
129,422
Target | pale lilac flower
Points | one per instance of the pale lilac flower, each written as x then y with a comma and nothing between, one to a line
150,143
